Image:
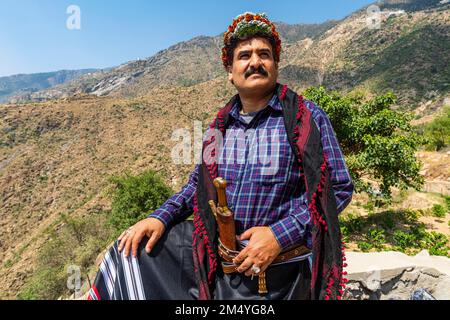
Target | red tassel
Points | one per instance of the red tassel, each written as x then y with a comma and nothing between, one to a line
283,92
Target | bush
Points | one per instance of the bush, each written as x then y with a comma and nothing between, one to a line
437,132
135,197
418,239
403,240
438,211
409,216
364,246
376,238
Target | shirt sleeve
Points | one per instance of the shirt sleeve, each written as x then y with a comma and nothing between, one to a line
180,204
291,229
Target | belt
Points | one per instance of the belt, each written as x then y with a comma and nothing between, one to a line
228,255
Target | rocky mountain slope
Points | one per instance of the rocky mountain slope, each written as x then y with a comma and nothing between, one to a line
25,84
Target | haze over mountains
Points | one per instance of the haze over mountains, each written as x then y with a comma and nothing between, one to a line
408,54
23,84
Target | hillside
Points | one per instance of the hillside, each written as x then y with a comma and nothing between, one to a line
26,84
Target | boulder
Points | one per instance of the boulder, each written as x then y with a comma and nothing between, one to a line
396,276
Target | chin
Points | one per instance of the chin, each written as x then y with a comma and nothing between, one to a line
258,84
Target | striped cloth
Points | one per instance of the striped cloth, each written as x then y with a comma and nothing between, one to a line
119,278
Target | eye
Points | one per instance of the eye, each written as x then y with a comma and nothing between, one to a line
244,56
265,55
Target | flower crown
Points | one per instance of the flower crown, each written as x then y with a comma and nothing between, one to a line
248,24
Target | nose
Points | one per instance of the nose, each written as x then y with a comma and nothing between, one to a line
255,60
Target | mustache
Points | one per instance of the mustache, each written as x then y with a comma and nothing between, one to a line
252,70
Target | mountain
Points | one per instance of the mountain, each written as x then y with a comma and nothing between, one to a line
183,64
411,5
407,54
25,84
58,150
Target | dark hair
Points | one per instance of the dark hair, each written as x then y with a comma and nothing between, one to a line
233,42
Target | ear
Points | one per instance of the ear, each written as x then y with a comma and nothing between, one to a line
230,74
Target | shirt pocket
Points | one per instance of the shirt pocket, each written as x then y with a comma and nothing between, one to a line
273,168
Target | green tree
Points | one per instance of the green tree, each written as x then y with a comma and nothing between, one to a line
134,197
378,143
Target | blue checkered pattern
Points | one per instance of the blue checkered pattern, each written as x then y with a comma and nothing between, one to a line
264,185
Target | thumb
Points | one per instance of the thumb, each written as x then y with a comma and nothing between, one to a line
246,234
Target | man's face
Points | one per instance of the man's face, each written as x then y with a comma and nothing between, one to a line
254,67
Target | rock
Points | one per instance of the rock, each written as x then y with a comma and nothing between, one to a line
396,276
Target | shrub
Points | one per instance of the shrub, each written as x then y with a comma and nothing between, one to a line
437,132
404,240
364,246
376,237
135,197
345,233
438,211
409,216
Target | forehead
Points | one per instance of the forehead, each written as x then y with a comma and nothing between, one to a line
253,44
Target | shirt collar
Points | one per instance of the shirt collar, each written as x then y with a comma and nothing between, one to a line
274,103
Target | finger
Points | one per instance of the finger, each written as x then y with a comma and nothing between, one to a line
122,242
250,272
128,244
245,265
264,267
122,235
151,242
135,243
241,256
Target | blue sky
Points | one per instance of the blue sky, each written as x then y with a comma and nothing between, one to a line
34,36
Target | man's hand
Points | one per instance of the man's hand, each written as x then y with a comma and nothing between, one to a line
261,250
130,238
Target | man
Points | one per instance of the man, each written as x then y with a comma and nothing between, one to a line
289,202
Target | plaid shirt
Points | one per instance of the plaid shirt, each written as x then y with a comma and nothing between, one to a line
264,187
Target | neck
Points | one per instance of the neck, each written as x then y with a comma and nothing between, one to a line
252,103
